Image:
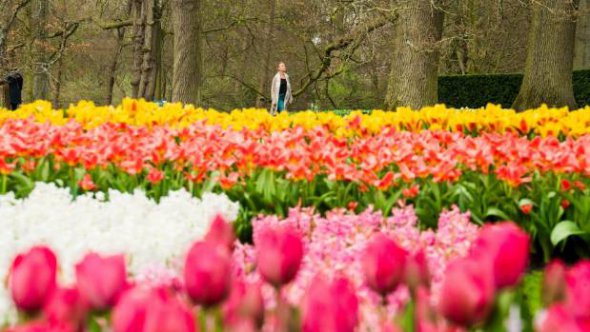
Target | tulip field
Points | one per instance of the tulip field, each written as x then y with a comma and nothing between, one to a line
141,217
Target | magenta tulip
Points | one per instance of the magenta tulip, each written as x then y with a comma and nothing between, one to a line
506,246
131,311
245,303
467,292
221,232
32,278
554,286
384,264
101,280
578,290
66,306
279,253
170,315
207,273
417,273
330,306
559,318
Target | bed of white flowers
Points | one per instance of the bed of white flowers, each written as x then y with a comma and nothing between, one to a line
151,234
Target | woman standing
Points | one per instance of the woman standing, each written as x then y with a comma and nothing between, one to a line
280,90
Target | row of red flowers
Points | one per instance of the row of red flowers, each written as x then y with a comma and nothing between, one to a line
200,149
470,292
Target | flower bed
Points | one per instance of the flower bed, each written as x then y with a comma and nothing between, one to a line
492,119
311,274
152,235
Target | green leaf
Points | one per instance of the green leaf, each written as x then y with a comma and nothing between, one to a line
495,212
563,230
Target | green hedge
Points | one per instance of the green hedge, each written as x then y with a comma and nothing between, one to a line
478,90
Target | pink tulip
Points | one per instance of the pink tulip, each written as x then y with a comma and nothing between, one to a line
279,253
330,306
417,273
170,315
151,310
131,311
245,302
578,290
41,327
101,280
66,306
507,248
384,264
467,292
32,278
207,273
559,318
554,285
221,232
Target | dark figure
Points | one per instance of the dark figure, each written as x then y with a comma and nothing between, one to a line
15,86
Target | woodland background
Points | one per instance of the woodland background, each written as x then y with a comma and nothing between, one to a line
341,54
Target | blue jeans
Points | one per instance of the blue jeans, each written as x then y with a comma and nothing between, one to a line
281,103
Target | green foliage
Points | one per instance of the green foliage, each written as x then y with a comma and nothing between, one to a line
478,90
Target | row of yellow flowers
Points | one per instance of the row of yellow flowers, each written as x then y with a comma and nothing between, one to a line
542,121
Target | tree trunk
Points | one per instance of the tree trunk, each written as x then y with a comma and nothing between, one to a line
413,80
138,42
187,51
41,65
582,53
149,67
550,56
113,66
267,49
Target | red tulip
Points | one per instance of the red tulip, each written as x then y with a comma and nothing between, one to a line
554,285
417,273
101,280
66,306
330,306
279,253
384,264
244,303
170,315
566,185
526,208
207,273
467,292
221,232
155,176
32,278
578,290
507,248
86,183
41,327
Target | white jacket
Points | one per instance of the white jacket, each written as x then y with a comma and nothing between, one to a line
274,92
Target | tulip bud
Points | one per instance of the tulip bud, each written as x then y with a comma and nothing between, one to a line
384,264
467,292
170,315
506,246
578,290
279,253
526,208
32,278
207,273
554,283
221,232
66,306
337,303
244,303
130,313
417,273
101,280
